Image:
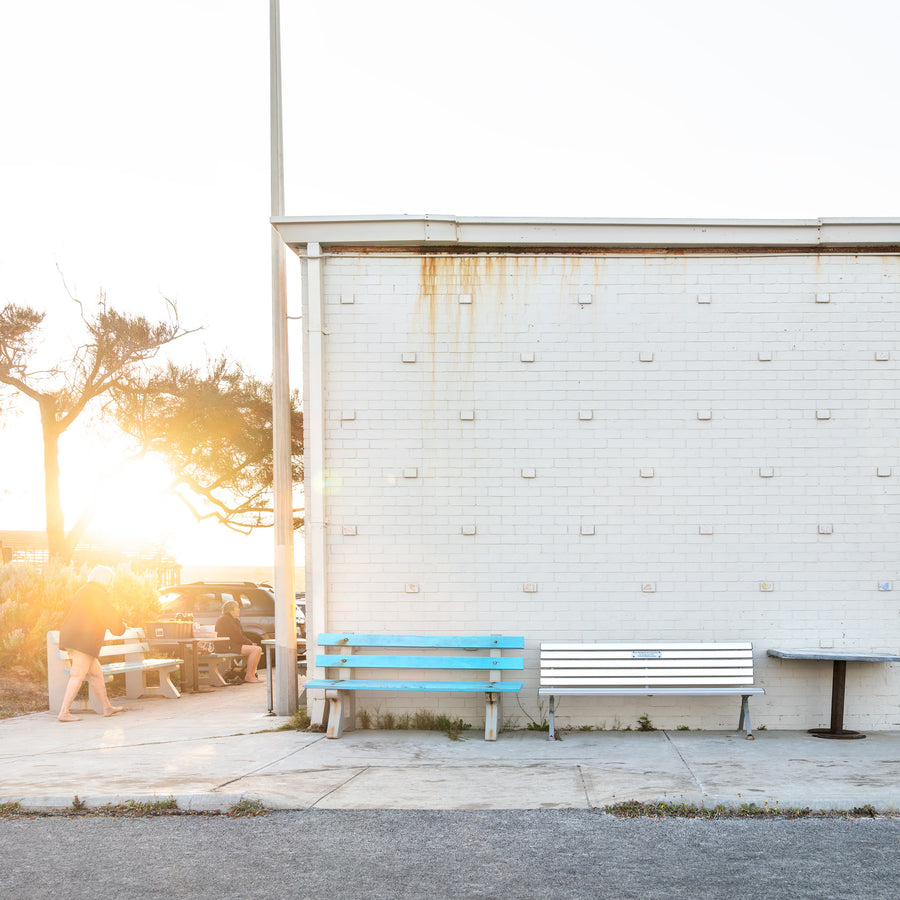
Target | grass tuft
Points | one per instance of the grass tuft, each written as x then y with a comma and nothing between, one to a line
423,720
247,808
300,721
864,812
137,809
634,809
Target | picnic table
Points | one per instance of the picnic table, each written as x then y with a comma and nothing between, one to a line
188,648
836,730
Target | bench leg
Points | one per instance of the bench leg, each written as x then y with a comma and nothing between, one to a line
491,716
745,716
214,671
135,685
341,712
165,683
551,719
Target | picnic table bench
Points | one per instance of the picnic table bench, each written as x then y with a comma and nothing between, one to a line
649,668
217,663
127,654
340,691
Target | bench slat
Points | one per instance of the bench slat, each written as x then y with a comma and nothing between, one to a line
360,684
146,665
649,671
123,649
650,645
635,680
661,691
627,666
464,642
613,656
416,662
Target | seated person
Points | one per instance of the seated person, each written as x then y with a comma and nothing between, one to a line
228,625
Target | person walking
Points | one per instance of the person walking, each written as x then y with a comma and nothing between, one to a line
89,617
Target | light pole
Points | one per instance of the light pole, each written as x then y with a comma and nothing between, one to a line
285,603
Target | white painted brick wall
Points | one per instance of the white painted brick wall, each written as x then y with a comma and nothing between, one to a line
558,385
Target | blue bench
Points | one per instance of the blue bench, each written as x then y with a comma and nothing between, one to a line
340,691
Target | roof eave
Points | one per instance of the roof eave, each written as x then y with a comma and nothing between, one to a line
408,231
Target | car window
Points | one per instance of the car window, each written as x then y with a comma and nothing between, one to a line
258,603
173,603
206,604
237,596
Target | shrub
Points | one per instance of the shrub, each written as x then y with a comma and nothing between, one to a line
34,601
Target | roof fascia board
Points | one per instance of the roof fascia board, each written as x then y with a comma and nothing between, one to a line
472,232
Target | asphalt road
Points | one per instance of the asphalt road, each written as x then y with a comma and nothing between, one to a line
368,855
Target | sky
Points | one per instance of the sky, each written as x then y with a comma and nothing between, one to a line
134,153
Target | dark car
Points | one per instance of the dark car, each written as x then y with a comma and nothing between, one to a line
204,600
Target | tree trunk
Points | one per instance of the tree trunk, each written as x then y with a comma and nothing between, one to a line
56,532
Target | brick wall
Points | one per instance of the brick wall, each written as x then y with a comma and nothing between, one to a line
601,447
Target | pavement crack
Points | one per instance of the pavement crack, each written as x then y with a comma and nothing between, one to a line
338,787
584,785
259,769
684,762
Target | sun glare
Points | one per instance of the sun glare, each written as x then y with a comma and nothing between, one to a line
134,506
133,503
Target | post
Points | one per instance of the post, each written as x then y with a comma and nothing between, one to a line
838,685
314,455
285,603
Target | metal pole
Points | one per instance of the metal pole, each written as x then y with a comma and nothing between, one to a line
838,687
285,604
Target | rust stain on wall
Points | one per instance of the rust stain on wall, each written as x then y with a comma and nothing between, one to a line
491,280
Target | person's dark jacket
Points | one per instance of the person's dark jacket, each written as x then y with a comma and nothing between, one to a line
89,617
229,626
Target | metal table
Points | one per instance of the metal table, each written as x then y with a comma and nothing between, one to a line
838,681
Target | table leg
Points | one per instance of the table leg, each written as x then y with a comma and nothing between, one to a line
838,684
195,665
270,659
187,669
192,672
191,653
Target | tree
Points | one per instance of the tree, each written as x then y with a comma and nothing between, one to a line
116,353
214,430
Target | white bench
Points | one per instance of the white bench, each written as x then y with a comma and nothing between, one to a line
127,654
648,668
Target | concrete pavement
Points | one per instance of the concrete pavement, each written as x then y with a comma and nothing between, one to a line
210,750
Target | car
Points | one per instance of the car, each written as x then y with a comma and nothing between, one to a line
204,599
